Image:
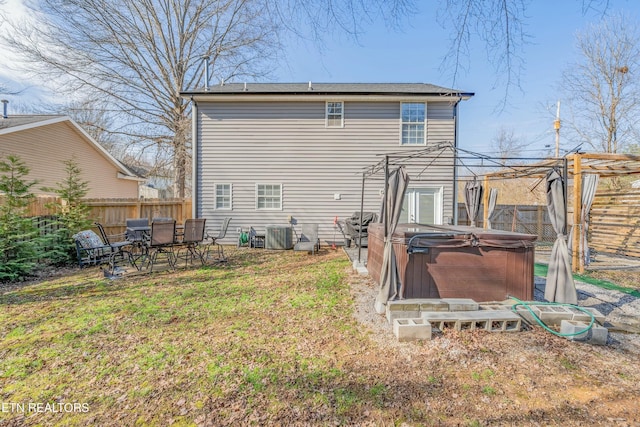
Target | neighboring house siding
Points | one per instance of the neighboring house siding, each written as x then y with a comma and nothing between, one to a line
43,150
249,143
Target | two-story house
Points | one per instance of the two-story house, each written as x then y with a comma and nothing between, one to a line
268,153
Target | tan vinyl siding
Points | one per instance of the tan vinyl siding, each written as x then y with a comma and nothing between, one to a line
43,149
246,143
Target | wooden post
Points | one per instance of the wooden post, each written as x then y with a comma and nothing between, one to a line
577,259
539,217
485,202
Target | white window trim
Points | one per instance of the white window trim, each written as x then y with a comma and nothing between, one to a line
215,196
256,196
326,115
424,141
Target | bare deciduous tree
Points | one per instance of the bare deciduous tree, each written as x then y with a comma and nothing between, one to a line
506,144
501,27
499,24
602,89
135,56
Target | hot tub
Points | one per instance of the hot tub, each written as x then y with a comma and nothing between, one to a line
439,261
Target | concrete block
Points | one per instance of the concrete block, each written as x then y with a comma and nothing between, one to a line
441,320
524,313
489,320
433,305
596,335
402,314
461,304
493,307
581,316
404,304
412,329
551,314
402,309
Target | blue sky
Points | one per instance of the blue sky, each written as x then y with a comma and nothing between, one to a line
414,54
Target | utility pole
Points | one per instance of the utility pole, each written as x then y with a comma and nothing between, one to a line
556,126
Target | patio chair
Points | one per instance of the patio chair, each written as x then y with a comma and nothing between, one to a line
308,240
117,243
137,232
161,241
136,235
90,249
213,240
161,219
192,239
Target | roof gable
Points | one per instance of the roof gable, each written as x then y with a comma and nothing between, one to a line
18,123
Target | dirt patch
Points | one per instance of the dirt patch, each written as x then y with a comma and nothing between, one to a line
532,377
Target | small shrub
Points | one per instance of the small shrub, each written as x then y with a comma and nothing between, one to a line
72,214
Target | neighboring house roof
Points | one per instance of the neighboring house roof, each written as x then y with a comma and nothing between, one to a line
17,123
333,89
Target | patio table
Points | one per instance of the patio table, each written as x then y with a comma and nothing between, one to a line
142,242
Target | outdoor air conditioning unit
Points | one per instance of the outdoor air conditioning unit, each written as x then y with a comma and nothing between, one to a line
278,237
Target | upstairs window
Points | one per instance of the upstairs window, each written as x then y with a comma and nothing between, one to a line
413,123
335,114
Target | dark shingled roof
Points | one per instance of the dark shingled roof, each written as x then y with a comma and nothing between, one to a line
27,119
328,89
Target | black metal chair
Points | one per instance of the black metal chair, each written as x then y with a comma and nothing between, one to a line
90,249
192,239
161,219
120,248
134,231
137,232
161,241
213,240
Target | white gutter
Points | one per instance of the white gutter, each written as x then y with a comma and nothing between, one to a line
130,177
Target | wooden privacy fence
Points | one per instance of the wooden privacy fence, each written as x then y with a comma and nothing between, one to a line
112,213
615,222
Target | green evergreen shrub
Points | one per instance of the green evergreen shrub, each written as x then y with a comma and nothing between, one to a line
72,214
19,238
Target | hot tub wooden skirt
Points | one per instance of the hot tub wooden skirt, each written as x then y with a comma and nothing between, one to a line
500,266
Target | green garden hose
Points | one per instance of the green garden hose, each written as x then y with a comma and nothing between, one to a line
528,305
244,238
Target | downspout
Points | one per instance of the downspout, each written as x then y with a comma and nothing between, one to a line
455,163
194,161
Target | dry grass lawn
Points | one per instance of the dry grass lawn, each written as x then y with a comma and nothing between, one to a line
270,338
